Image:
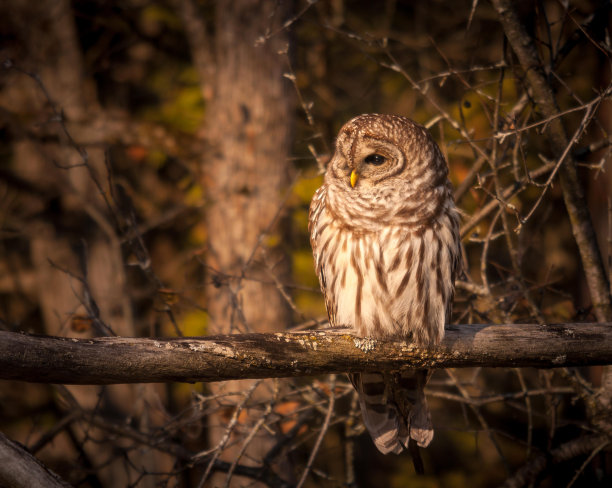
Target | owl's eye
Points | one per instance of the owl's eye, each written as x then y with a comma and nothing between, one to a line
375,159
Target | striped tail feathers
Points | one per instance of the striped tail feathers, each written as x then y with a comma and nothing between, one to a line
412,404
380,416
394,408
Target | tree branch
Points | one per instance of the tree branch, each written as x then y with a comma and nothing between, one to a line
18,468
108,360
573,195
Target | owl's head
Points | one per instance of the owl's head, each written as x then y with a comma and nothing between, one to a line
374,150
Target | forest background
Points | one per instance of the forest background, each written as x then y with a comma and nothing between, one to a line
157,160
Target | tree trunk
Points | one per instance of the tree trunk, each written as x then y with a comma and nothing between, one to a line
246,169
246,177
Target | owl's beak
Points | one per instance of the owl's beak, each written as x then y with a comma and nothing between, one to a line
354,178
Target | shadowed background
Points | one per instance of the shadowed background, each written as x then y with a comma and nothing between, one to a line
157,160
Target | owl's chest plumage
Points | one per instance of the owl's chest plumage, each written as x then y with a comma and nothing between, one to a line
394,281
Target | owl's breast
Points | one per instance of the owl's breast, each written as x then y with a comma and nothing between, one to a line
394,283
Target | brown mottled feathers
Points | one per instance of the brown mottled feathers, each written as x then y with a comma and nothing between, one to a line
384,233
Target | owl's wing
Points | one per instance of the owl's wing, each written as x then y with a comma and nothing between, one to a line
394,408
456,264
315,215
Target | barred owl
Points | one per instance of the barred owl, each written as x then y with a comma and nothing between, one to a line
385,238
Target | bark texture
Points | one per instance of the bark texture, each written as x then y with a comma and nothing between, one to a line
246,177
216,358
246,168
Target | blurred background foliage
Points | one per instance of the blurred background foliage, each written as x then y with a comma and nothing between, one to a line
144,121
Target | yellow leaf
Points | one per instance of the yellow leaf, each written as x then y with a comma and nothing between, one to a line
194,195
305,188
195,323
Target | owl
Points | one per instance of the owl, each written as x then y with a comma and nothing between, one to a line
384,232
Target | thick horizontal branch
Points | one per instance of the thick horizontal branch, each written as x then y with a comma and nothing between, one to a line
46,359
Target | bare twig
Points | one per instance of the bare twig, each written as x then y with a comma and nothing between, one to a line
483,423
565,452
217,450
322,432
573,196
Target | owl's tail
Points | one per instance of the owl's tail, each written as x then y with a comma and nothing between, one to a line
394,408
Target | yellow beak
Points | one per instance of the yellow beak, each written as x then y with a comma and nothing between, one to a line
354,178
